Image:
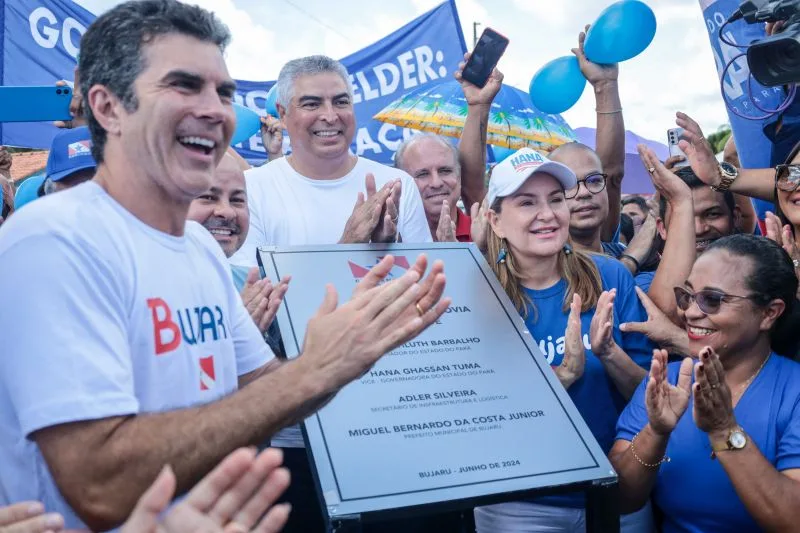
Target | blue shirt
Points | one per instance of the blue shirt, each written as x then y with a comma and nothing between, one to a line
644,280
614,249
692,489
594,394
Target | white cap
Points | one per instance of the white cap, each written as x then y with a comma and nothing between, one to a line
509,175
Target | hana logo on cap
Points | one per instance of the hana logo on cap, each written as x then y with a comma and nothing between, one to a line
79,148
526,161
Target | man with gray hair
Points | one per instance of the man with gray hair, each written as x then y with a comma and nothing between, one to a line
438,167
321,193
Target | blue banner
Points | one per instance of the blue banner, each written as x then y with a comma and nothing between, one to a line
39,46
424,51
40,40
753,145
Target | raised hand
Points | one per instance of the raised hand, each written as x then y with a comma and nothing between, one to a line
272,136
386,229
593,72
671,163
232,498
5,162
784,237
698,150
664,401
366,213
572,365
479,95
658,327
29,517
713,405
75,105
602,326
342,343
480,224
669,185
261,299
446,230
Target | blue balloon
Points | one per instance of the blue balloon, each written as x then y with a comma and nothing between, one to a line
272,97
28,190
501,152
248,123
557,85
622,31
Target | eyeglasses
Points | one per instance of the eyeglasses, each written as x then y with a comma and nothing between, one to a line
709,301
594,183
787,177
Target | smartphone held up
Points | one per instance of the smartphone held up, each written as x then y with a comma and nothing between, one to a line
673,136
484,57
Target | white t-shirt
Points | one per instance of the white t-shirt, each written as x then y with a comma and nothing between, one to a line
288,209
104,316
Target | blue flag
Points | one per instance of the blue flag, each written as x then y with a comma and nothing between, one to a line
40,43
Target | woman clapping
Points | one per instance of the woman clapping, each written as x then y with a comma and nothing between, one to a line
716,439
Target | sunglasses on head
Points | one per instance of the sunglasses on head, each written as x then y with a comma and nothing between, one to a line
708,300
787,177
594,183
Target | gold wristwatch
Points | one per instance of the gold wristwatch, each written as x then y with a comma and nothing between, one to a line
737,440
728,173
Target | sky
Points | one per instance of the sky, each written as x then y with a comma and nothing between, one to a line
675,73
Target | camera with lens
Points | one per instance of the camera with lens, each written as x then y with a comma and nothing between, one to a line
774,60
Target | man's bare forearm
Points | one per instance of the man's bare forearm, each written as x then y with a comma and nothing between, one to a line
472,155
610,147
111,462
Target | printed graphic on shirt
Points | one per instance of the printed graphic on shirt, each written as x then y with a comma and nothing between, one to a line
207,376
554,350
196,325
400,264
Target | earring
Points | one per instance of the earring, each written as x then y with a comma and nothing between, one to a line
501,255
567,249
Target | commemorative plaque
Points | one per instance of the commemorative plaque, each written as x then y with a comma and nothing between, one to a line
468,413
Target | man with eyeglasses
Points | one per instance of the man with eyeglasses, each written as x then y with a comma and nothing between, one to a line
595,202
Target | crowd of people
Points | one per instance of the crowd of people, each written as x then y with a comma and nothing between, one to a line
675,327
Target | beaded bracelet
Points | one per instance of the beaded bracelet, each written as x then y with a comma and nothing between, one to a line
663,460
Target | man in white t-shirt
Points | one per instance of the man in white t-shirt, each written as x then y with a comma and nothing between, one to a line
125,345
322,193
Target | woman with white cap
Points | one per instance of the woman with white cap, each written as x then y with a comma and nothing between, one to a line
572,303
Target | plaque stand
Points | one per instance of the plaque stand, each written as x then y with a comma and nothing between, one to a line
512,372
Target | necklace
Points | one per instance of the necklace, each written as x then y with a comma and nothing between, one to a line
744,385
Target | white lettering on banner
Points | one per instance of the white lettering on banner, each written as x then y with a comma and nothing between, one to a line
250,101
413,68
386,86
48,36
408,70
364,141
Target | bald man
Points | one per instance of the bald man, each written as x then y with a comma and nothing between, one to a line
222,209
589,207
